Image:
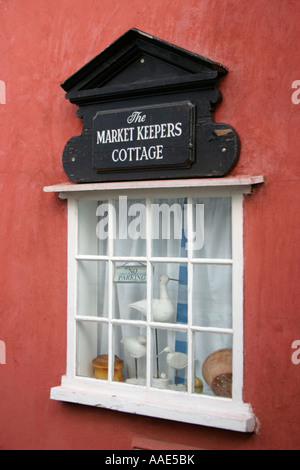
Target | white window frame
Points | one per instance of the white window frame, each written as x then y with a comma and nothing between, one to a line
187,407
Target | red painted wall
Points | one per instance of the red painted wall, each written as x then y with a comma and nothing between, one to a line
41,44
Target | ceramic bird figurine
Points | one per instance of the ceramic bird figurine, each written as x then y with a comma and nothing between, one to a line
162,308
136,346
175,360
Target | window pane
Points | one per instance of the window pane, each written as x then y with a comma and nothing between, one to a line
92,280
91,343
212,227
131,227
212,295
169,359
92,237
168,218
130,345
129,287
169,288
212,364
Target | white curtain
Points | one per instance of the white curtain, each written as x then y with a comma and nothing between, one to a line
211,282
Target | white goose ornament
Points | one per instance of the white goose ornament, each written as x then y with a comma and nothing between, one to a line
162,308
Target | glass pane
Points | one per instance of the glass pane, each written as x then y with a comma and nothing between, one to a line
212,364
130,346
91,343
169,286
169,359
131,227
212,295
212,227
92,228
169,299
92,291
130,287
168,218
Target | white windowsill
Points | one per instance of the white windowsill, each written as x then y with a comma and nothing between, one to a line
176,406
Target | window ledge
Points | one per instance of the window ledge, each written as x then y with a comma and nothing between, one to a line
242,183
194,409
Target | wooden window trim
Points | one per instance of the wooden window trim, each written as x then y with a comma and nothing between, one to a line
231,414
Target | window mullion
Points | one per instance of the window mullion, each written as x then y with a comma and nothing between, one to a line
237,296
190,335
72,286
149,365
111,231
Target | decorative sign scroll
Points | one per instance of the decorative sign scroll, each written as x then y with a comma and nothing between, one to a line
150,136
127,273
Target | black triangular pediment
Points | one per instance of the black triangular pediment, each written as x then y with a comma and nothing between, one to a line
145,68
137,59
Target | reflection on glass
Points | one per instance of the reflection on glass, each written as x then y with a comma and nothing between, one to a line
92,299
212,364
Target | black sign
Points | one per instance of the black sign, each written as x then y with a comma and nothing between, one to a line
147,110
150,136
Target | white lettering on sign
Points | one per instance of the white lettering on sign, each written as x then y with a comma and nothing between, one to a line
127,134
130,134
136,116
156,136
111,136
138,153
159,131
